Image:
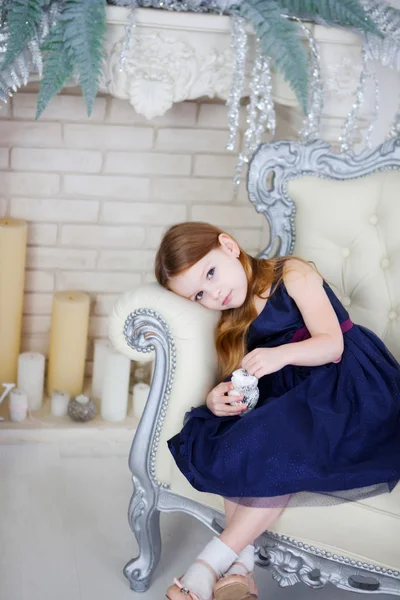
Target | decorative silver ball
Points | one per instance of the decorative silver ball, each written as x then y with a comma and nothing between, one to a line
81,409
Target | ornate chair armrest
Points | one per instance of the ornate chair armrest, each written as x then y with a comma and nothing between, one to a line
152,320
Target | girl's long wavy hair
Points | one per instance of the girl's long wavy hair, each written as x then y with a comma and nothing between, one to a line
182,246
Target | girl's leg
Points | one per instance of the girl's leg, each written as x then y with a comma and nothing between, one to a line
201,579
245,561
247,523
230,508
244,524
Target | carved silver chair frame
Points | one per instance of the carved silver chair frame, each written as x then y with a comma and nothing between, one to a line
289,560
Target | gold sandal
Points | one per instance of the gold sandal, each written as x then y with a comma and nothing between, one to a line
253,590
236,587
232,587
177,590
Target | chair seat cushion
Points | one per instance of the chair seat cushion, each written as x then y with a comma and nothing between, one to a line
366,530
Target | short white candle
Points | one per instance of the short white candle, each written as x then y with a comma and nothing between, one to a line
82,399
140,393
59,403
101,349
31,377
18,405
115,390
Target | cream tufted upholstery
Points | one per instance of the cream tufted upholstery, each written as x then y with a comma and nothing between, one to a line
351,230
352,233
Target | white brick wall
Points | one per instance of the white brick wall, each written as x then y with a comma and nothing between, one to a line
99,193
54,210
55,160
103,236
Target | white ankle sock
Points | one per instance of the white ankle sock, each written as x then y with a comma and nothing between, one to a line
198,578
244,562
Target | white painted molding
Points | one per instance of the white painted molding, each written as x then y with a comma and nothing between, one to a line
177,56
173,57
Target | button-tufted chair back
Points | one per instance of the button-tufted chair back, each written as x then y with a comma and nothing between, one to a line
342,213
353,235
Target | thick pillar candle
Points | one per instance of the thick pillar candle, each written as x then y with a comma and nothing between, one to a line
114,395
59,403
13,234
101,349
68,341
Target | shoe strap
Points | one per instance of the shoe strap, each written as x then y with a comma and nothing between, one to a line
185,590
208,567
244,567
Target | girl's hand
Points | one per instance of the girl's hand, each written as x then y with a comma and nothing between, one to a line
219,404
263,361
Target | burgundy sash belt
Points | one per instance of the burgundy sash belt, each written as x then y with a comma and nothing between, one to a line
303,334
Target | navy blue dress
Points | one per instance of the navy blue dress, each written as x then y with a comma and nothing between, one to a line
318,429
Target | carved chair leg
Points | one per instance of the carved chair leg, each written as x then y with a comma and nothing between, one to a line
144,519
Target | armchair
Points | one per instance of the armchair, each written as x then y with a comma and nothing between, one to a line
342,212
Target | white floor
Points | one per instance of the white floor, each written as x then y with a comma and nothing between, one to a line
64,533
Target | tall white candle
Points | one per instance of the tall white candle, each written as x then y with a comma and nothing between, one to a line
59,403
115,390
101,349
140,394
31,377
18,405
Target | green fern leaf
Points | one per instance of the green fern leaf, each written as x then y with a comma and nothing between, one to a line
23,20
85,28
347,13
58,67
279,38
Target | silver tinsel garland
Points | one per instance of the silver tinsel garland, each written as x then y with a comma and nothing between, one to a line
386,50
267,120
312,121
128,39
197,6
30,60
394,130
260,111
349,128
374,116
239,45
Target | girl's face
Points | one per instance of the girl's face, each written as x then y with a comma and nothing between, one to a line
217,281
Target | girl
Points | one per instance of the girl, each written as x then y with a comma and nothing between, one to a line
328,417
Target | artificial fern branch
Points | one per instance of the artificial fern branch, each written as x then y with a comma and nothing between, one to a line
279,38
58,67
85,28
23,21
345,13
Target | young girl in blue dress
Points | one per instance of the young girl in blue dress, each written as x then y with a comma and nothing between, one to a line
328,417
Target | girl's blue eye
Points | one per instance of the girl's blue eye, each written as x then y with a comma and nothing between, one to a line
199,295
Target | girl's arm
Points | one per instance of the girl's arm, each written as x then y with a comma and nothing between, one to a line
305,286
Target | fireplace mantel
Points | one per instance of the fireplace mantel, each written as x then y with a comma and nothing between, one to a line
177,56
174,56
